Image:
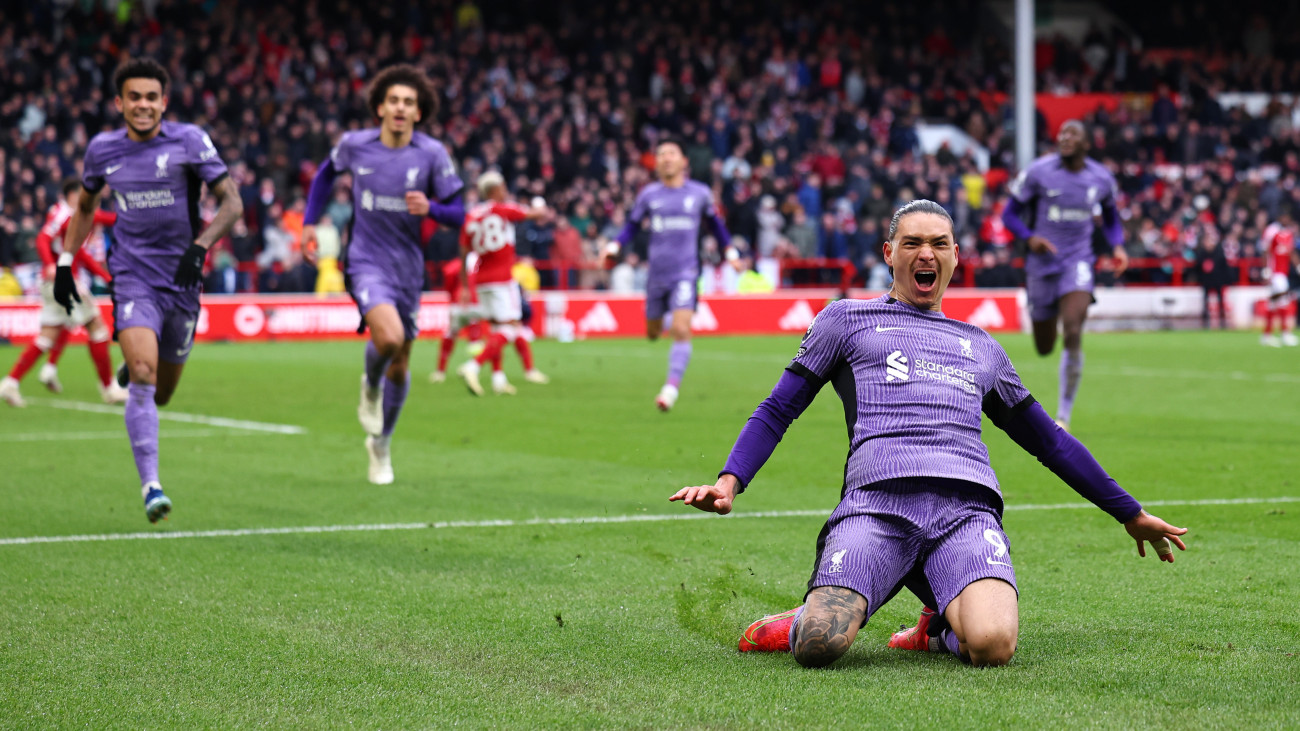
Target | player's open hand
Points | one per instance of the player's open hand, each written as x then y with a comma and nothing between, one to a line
715,498
1148,528
417,203
1040,245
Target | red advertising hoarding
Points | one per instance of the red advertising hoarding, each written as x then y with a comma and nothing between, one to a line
561,315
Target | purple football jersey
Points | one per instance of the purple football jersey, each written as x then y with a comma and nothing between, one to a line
1063,204
155,187
675,215
385,237
914,384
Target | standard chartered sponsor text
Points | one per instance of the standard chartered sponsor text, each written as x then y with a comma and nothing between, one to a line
952,375
148,198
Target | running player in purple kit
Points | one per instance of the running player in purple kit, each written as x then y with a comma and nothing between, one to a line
156,170
674,207
920,507
1060,193
398,177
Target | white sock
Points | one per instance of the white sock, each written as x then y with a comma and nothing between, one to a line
146,487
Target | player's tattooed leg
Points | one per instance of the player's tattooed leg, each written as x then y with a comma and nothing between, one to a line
831,618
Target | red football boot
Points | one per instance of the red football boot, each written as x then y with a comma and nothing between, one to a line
915,638
769,634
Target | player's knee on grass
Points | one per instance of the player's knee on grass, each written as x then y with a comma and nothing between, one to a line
828,625
992,649
986,620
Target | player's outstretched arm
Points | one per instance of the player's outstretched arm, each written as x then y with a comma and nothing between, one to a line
715,498
760,435
1147,528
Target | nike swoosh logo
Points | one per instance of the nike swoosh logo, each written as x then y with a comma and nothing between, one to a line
998,563
880,329
112,169
1053,193
365,171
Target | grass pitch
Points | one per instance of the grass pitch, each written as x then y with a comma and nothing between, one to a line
542,622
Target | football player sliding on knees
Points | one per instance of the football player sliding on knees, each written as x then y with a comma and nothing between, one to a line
920,507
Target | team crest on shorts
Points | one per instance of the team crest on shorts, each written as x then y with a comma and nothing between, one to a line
837,562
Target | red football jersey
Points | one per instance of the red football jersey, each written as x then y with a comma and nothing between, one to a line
489,231
56,225
451,281
1280,247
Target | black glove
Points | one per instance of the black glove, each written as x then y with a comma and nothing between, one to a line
190,271
65,287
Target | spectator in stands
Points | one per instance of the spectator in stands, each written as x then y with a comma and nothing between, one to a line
328,244
567,251
996,270
627,277
1214,273
770,223
802,234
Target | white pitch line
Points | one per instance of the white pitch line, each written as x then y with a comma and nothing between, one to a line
593,520
118,434
178,416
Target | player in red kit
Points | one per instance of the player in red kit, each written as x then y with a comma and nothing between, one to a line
489,232
57,322
463,319
1279,247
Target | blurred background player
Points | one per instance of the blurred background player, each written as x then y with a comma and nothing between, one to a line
673,208
56,322
1279,246
395,171
155,169
489,232
462,318
1060,193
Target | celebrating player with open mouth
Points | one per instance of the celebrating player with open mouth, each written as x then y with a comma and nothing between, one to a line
155,169
920,506
398,177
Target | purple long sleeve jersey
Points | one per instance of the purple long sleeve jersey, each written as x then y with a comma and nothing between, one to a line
674,215
914,384
1062,204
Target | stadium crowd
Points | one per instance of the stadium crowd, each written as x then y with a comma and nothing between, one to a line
802,117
